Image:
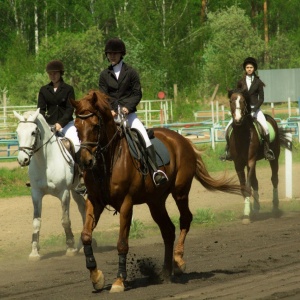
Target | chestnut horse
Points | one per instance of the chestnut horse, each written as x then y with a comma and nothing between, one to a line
246,148
113,177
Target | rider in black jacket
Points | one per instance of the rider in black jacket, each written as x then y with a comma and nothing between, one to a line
54,104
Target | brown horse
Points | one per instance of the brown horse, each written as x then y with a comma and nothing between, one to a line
246,148
113,177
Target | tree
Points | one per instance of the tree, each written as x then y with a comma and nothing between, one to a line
232,39
81,53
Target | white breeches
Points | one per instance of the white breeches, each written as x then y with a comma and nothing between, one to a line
133,121
261,119
70,132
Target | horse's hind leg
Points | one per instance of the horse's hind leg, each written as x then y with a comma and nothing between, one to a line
160,216
254,183
80,201
66,223
186,218
274,178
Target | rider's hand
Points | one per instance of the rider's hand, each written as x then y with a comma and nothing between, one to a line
125,111
58,127
113,113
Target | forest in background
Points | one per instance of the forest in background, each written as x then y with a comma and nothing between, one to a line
196,44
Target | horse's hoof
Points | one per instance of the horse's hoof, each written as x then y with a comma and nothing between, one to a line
117,287
99,282
71,252
246,220
276,212
34,257
178,270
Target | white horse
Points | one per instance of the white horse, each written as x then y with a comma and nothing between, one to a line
51,171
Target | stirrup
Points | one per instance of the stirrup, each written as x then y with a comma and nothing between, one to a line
269,155
80,189
225,157
164,177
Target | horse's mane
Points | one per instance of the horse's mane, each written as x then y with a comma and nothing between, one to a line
97,99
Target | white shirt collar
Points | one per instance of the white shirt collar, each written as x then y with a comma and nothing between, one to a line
117,68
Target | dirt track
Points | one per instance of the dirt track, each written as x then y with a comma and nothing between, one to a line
228,261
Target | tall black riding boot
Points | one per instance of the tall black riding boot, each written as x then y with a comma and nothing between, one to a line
80,188
159,177
226,155
269,154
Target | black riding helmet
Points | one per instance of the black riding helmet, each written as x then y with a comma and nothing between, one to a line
251,61
55,65
115,45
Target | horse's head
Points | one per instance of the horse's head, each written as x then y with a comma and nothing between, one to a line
94,123
239,105
28,135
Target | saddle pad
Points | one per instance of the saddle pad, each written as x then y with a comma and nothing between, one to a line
162,154
260,131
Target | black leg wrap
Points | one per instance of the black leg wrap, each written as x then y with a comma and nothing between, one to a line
35,237
122,273
89,256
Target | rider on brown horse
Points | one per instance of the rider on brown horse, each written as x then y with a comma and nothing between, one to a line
255,87
122,84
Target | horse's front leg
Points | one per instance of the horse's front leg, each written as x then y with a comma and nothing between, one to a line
122,246
246,194
37,197
91,220
250,177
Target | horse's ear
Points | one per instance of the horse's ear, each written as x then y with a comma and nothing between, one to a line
18,116
229,93
34,116
95,97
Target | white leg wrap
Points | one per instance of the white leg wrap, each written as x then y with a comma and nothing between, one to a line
247,208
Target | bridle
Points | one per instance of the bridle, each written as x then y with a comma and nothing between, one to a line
87,145
33,149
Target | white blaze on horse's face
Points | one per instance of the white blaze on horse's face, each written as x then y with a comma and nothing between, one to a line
237,112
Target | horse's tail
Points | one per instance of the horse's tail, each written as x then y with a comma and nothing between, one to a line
284,139
227,185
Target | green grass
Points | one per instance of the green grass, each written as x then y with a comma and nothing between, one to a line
12,182
136,229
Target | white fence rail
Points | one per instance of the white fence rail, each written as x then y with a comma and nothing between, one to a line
150,112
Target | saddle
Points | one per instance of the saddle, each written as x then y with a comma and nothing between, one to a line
68,145
137,147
